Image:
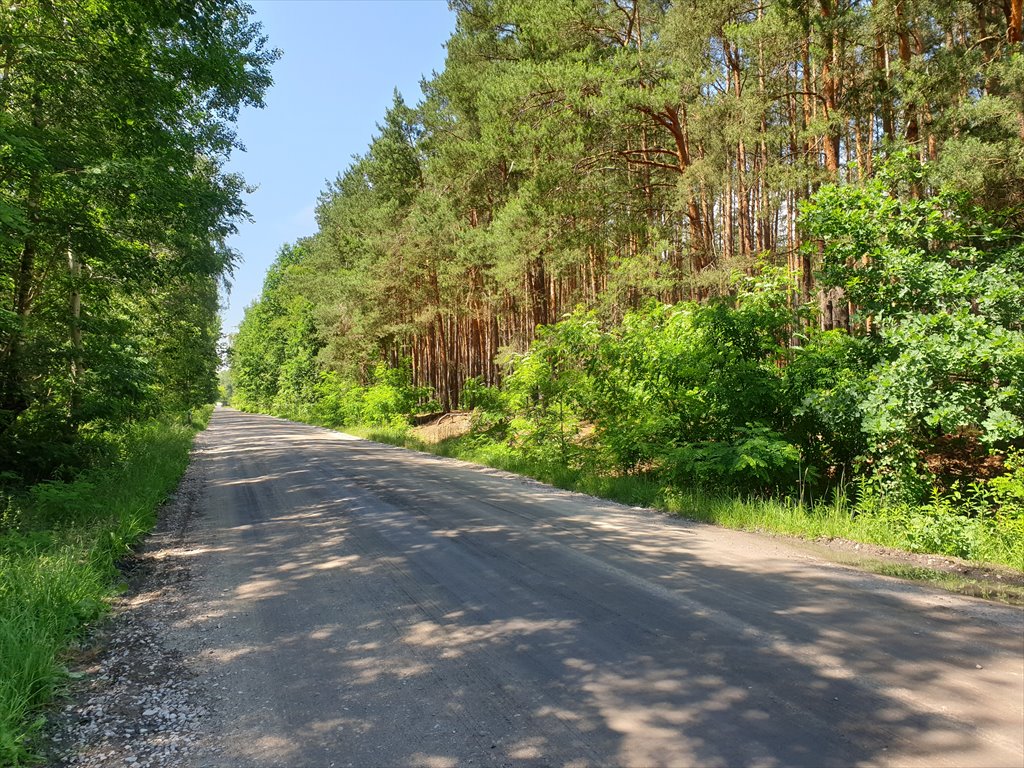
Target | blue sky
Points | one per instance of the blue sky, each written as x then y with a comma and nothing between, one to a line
342,60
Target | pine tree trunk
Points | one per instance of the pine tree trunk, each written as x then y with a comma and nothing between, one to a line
1014,33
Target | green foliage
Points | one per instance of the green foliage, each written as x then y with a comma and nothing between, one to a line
297,375
116,121
938,279
59,543
339,401
943,525
826,385
1007,491
670,385
391,398
546,389
758,458
477,395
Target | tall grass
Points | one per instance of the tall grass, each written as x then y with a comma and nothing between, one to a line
59,546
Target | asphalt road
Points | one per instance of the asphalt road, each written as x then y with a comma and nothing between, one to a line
359,604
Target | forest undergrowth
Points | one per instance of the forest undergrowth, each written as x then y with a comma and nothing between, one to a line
60,544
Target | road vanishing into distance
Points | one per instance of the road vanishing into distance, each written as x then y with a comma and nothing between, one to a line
365,605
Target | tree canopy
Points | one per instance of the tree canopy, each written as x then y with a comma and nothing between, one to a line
605,153
116,120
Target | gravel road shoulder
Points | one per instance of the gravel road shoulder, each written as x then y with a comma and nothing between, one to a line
133,700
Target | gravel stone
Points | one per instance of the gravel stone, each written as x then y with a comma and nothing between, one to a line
132,699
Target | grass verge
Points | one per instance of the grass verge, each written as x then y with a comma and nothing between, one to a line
59,547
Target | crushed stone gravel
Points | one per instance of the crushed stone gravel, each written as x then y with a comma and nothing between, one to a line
132,699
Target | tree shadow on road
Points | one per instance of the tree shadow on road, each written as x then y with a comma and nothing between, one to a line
378,607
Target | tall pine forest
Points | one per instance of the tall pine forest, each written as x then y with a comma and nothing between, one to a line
770,247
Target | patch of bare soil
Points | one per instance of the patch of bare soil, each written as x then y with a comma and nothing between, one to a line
971,578
445,427
132,701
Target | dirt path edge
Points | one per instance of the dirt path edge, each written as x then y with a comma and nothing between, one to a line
132,700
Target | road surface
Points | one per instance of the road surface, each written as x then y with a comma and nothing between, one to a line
360,604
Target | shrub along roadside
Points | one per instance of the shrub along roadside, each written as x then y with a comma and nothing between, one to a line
59,546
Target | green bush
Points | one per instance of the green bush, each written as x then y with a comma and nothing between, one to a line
825,385
390,400
339,401
475,395
939,280
59,543
1007,491
757,458
668,382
